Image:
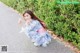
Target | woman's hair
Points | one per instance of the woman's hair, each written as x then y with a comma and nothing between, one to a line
34,17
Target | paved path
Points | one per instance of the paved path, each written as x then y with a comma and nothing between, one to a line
19,43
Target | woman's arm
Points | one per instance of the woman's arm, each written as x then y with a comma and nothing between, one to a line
19,21
33,25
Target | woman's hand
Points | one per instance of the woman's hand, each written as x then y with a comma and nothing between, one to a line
19,21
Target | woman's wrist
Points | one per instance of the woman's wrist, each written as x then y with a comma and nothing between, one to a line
19,21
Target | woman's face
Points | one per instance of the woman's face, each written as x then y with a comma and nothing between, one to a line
27,16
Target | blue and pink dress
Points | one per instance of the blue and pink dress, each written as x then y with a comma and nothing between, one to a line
32,31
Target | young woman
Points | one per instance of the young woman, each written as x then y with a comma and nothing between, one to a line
35,29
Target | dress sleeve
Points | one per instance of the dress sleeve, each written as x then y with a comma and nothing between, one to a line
33,25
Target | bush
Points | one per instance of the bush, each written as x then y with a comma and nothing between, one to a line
63,19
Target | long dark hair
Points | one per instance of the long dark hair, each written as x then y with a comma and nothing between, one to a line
34,17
